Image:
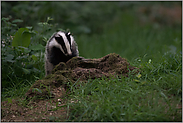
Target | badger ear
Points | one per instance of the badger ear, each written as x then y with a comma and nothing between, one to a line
57,35
59,39
68,35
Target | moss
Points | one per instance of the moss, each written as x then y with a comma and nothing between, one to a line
72,63
60,66
76,68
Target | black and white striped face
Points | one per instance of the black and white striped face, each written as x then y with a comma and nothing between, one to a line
63,41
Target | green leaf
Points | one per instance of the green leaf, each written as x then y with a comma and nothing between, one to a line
24,49
34,58
29,27
36,47
17,21
163,95
5,19
49,18
21,57
22,38
14,25
9,57
26,71
36,70
36,89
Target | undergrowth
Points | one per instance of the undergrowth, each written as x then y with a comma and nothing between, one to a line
153,95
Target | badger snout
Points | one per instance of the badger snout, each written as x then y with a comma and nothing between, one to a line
69,54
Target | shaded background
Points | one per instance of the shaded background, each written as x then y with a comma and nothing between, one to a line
90,17
134,30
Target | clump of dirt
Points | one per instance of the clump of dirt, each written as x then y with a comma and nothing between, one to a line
82,69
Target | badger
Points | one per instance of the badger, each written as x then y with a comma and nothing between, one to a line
60,48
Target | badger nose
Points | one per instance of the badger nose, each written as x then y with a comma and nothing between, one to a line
69,54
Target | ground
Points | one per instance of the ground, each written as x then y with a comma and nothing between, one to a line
45,99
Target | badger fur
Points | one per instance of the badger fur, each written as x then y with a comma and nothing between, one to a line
60,48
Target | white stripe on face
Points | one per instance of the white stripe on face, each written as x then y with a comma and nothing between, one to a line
72,40
66,42
54,43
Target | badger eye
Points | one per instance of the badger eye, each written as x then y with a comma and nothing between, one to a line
60,40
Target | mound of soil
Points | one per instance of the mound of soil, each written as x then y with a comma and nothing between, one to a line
78,68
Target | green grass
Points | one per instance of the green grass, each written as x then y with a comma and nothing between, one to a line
18,90
154,96
126,37
122,100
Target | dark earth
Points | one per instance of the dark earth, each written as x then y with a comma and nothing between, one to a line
80,69
45,99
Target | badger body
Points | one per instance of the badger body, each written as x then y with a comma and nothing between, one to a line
60,48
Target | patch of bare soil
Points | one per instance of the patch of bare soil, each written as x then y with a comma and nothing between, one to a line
44,110
45,97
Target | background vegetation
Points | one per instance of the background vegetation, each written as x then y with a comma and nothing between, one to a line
142,32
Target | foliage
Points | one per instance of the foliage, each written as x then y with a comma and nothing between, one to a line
99,28
20,57
84,17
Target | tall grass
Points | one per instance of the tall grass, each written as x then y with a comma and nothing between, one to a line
152,97
122,100
128,38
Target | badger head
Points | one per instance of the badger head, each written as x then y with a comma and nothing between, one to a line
63,41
